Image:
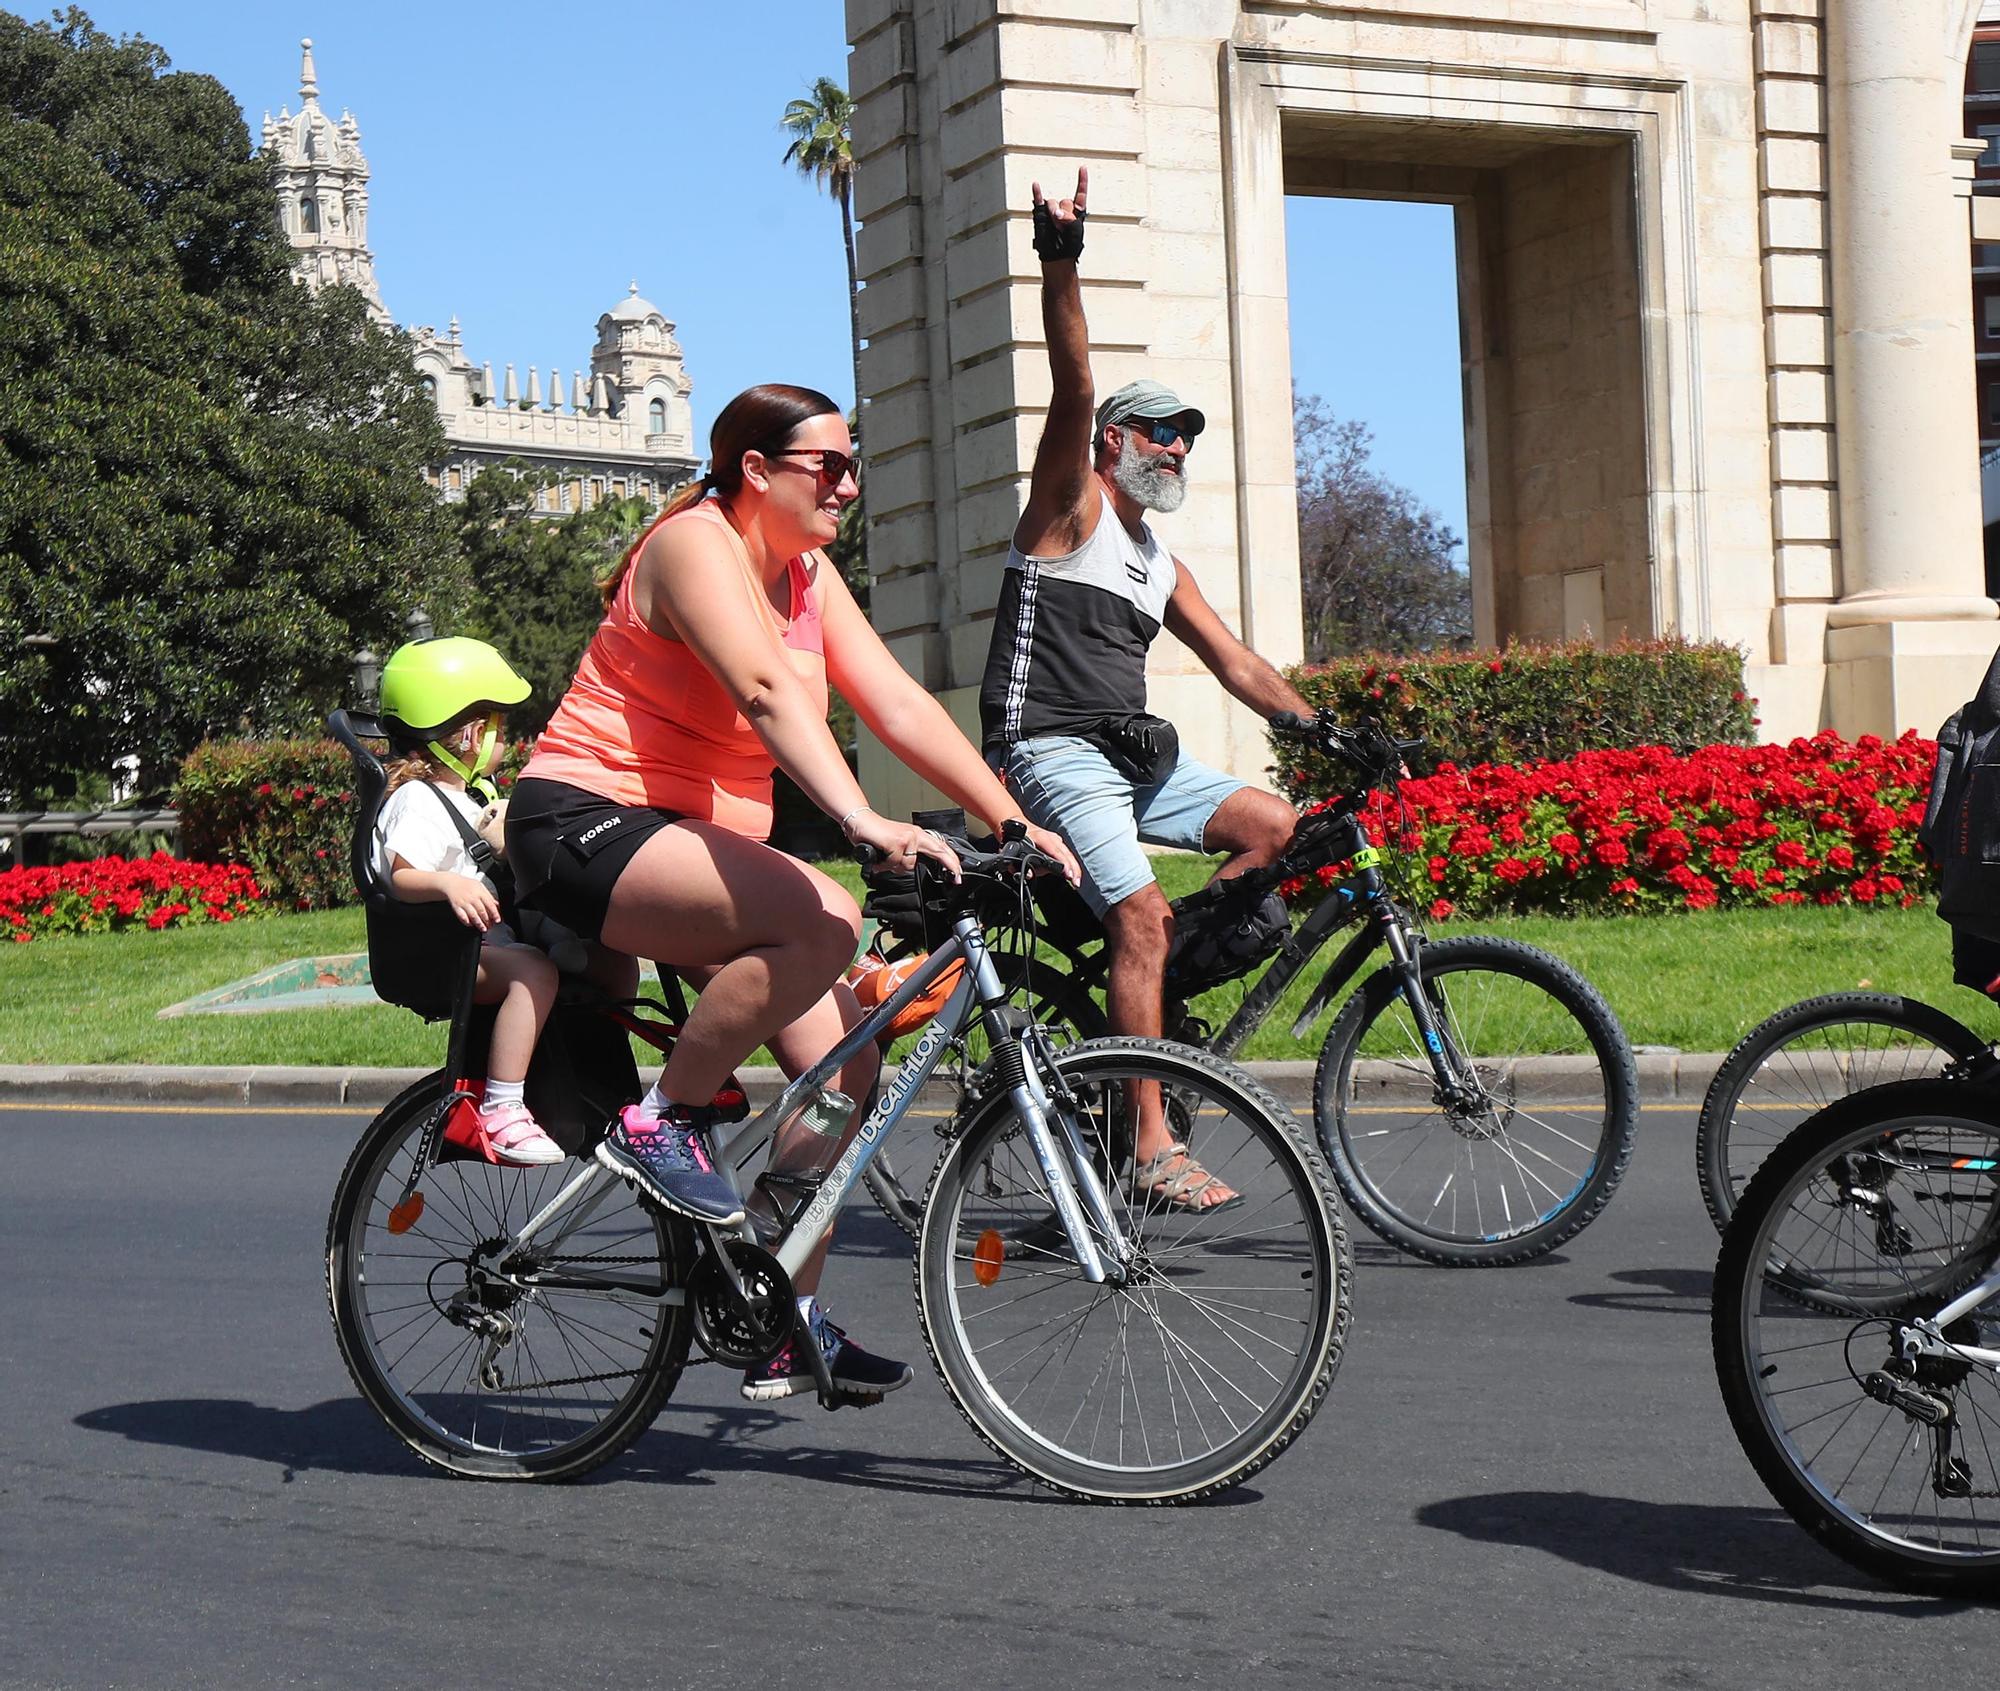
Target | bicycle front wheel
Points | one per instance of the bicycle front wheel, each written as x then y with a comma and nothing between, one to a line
1863,1222
1531,1150
536,1365
1802,1059
1221,1342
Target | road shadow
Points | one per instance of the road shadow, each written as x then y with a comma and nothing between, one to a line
869,1233
691,1445
1373,1253
1715,1549
1674,1291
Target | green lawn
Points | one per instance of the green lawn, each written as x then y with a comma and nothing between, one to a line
1696,982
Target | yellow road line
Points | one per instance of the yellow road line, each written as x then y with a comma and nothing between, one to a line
364,1110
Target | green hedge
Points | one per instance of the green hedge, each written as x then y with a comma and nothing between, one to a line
283,808
1531,704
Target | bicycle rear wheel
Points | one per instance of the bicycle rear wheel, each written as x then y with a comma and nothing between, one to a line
1058,1001
1799,1061
1220,1346
1869,1216
532,1368
1534,1153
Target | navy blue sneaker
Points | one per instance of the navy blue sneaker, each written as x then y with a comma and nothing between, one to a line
853,1369
668,1161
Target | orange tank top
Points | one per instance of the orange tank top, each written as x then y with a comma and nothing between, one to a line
645,723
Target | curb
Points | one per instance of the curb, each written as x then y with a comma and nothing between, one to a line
1665,1077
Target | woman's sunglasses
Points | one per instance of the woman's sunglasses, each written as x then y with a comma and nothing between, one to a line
834,466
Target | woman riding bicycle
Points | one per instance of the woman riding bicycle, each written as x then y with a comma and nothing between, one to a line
640,820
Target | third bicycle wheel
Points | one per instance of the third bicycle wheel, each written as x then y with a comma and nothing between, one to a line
1532,1151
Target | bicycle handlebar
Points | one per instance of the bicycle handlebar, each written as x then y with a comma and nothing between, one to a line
1015,860
1366,745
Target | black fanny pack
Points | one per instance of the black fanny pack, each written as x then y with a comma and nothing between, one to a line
1142,748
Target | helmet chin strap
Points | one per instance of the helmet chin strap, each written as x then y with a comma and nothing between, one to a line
475,781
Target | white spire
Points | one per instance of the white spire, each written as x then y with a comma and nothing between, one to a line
511,394
486,389
534,389
308,77
578,401
555,386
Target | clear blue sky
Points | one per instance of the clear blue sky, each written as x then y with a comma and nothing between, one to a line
529,160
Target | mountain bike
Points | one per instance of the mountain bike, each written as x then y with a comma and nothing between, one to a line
1794,1064
1442,1137
1856,1330
528,1324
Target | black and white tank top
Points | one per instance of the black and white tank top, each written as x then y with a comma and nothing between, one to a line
1071,633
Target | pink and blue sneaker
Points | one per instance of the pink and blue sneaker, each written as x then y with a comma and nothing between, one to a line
668,1161
853,1369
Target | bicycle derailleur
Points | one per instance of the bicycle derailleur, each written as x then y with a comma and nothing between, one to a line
1921,1381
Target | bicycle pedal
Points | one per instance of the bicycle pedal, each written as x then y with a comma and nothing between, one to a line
833,1400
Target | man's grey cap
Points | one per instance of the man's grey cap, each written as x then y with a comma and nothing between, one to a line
1148,399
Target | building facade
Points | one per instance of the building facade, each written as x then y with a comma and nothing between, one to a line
625,429
1713,312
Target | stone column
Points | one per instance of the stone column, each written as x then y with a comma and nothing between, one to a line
1903,385
1912,631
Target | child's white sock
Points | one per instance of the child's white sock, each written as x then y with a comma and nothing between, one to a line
656,1103
500,1092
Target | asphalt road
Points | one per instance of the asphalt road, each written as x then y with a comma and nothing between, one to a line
1523,1478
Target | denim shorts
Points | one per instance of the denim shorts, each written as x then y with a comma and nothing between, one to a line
1067,784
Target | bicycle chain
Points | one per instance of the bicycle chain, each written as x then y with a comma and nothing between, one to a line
592,1379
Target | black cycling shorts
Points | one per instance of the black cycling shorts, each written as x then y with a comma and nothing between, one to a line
567,848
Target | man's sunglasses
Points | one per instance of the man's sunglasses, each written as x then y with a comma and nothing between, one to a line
834,466
1162,431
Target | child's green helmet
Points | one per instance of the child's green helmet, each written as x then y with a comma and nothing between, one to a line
429,687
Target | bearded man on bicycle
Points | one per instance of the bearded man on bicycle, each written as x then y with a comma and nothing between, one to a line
1062,706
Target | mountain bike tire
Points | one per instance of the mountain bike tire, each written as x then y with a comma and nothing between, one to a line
1519,1178
1794,1064
1863,1475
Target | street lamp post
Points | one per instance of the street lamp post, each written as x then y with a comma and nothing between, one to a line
419,624
367,678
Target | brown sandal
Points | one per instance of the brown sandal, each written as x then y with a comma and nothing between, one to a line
1174,1177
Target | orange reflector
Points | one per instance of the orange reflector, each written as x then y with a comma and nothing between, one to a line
406,1214
987,1257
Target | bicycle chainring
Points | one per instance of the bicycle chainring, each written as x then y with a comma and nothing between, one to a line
741,1329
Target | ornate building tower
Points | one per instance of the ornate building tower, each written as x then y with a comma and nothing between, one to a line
638,362
627,432
323,192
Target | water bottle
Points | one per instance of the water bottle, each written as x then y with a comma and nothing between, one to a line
802,1150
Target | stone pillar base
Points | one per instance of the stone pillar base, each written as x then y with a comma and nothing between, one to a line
895,790
1884,677
1791,699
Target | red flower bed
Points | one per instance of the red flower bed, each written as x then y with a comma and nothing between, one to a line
1818,821
117,892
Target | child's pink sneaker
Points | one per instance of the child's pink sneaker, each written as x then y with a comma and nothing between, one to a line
514,1137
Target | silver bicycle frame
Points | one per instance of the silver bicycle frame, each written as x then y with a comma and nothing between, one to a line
1086,1216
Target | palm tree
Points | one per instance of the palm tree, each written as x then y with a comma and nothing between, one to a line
818,125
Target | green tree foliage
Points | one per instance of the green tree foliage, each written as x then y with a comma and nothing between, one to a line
209,479
1378,570
535,592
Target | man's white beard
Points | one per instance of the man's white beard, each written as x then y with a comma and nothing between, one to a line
1142,480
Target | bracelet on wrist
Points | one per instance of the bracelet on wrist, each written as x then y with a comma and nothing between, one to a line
847,821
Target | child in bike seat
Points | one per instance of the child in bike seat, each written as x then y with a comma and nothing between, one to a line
441,703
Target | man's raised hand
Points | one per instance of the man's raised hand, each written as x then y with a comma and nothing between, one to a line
1059,227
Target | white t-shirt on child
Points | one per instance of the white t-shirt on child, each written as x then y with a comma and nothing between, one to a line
414,827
